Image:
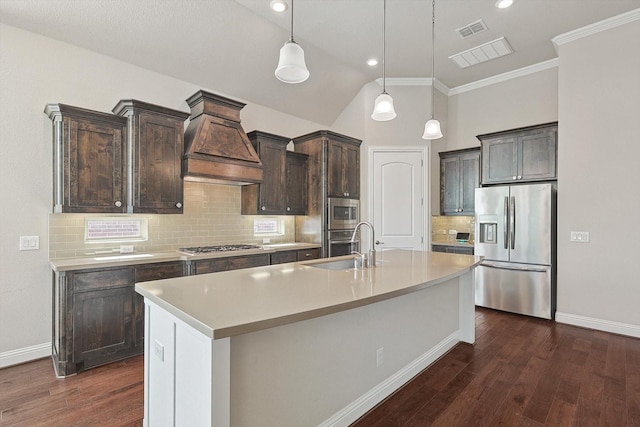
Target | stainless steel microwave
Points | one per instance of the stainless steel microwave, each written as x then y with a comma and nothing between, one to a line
344,214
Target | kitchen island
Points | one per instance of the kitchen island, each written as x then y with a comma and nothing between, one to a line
305,343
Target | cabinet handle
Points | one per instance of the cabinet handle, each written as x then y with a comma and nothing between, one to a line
515,177
307,254
178,205
263,208
118,203
288,209
519,176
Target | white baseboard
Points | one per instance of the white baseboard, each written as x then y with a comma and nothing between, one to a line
26,354
370,399
598,324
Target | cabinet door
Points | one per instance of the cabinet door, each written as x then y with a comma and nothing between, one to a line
499,160
335,170
93,166
157,186
469,181
296,188
449,185
102,326
351,171
537,156
272,196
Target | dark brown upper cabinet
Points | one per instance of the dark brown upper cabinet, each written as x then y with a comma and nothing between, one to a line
459,177
128,162
344,169
155,140
520,155
283,190
89,160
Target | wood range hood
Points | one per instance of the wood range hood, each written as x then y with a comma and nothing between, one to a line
216,148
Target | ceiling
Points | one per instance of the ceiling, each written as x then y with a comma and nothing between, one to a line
231,46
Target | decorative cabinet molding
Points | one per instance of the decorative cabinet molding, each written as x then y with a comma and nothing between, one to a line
283,190
459,177
520,155
155,142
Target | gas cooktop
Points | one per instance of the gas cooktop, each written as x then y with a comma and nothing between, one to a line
218,248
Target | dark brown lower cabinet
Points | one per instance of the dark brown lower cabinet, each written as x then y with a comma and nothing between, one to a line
97,315
450,249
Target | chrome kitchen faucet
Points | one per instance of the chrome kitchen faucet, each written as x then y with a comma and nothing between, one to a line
371,262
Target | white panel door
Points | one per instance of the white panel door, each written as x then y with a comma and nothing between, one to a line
397,193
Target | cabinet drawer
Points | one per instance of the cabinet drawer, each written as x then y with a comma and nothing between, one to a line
230,263
102,279
165,270
283,257
305,254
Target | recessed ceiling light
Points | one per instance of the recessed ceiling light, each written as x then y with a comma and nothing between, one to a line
502,4
372,62
279,5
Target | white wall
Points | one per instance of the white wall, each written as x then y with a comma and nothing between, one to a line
35,70
599,176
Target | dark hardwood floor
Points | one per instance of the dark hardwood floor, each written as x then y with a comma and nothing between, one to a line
521,372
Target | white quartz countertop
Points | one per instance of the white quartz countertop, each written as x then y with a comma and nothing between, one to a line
120,260
241,301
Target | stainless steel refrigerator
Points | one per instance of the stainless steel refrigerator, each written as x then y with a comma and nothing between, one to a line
515,231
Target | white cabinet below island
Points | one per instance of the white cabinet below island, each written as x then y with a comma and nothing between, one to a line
299,345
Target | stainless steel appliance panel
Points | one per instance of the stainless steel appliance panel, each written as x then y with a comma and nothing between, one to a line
340,243
518,288
530,235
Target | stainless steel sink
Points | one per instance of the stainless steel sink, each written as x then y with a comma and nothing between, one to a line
343,264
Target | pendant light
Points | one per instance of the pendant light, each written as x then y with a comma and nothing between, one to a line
291,65
383,108
432,127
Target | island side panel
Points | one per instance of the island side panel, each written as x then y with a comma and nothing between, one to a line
187,379
324,371
468,307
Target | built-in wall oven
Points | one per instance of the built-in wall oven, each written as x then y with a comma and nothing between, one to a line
340,242
343,216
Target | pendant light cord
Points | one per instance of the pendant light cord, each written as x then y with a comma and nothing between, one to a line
433,57
291,38
384,46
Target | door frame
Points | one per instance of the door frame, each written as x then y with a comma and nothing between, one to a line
425,151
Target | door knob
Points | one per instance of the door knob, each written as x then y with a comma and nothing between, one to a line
378,242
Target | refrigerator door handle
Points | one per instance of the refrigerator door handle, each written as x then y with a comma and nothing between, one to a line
506,223
512,220
501,267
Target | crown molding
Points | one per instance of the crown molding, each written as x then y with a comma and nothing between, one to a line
615,21
499,78
415,81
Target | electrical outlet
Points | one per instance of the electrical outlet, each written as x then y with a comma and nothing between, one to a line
579,236
266,240
158,350
379,357
29,243
126,249
453,232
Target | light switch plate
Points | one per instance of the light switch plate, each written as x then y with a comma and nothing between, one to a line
158,350
29,243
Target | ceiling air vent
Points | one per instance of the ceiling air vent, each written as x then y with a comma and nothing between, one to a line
472,29
482,53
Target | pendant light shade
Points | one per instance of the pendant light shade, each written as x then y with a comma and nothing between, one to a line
383,108
432,127
291,66
432,130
